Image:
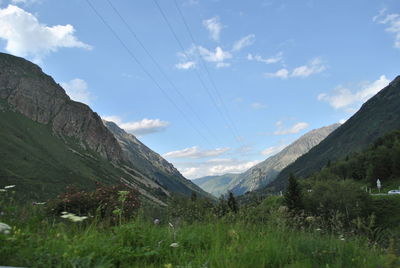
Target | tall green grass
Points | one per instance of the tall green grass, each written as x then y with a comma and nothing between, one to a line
41,242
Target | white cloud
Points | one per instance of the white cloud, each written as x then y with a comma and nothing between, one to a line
274,59
296,128
222,64
231,167
273,150
344,98
190,172
257,105
214,167
315,66
26,36
244,42
185,65
219,56
77,90
282,73
195,152
189,58
25,2
393,23
139,128
214,27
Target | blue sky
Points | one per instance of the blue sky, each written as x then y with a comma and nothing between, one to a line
243,80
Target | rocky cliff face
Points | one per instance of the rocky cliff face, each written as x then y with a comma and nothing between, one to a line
36,95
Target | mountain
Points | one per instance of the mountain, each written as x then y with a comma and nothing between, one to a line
48,141
151,163
216,185
266,171
378,116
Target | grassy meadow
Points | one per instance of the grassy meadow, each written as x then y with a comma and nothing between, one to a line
244,239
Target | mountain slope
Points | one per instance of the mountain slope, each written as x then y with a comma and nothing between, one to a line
379,115
269,169
266,171
49,141
152,164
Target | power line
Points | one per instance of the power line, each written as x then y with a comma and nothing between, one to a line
133,33
236,137
206,68
136,60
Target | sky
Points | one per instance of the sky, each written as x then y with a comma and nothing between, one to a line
214,86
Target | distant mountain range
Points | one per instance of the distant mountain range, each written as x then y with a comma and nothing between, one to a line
265,172
378,116
48,141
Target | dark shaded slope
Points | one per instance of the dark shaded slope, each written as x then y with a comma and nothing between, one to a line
379,115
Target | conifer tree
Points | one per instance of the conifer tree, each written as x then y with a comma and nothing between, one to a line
293,196
232,203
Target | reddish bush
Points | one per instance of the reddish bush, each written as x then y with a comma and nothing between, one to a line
109,202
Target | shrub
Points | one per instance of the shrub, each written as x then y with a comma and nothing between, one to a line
111,202
345,197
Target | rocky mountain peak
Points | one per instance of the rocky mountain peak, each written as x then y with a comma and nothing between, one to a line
36,95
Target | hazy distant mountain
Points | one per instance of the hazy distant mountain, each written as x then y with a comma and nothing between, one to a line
266,171
48,141
216,185
379,115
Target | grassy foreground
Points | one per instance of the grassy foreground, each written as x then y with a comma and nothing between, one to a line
140,243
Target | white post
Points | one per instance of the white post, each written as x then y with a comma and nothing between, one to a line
378,184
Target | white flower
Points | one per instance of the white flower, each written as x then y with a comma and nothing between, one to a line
4,228
3,190
156,221
72,217
171,225
9,186
174,245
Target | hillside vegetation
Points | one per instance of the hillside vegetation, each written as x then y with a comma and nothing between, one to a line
378,116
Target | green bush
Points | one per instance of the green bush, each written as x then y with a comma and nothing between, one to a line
345,197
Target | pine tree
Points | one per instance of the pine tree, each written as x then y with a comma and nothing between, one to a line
193,197
293,197
232,203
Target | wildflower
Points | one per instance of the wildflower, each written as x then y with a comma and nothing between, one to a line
233,234
283,209
156,221
9,186
310,219
4,228
168,265
318,229
171,225
341,237
3,190
174,245
72,217
38,203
